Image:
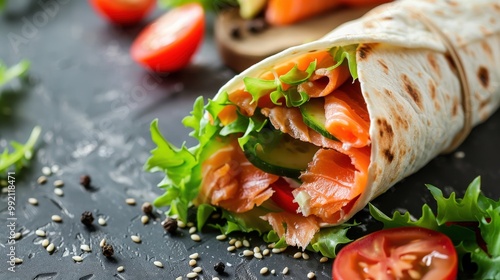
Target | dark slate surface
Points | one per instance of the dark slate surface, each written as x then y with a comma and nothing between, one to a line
94,106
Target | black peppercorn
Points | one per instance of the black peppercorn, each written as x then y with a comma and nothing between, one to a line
87,218
107,250
170,225
147,208
219,267
85,181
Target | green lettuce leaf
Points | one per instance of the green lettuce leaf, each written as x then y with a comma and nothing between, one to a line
259,87
8,74
293,98
208,5
295,76
346,52
327,240
203,212
244,222
20,155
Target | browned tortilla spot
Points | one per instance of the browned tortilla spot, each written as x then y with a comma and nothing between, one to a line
496,7
451,3
454,109
385,129
485,31
439,12
389,156
483,75
368,24
384,66
387,92
432,89
484,103
434,65
387,18
400,122
487,49
411,89
364,50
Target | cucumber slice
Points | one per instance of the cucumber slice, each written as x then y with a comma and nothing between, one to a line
278,153
313,114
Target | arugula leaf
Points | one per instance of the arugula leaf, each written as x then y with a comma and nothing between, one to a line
8,74
20,155
346,52
295,76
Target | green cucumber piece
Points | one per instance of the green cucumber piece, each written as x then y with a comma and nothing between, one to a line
313,114
278,153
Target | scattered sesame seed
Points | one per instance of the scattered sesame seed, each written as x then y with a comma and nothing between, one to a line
54,168
181,224
271,245
264,270
46,171
50,248
247,253
278,250
305,256
33,201
77,258
215,278
102,243
85,247
18,235
231,248
266,252
45,243
18,261
158,264
56,218
273,271
101,221
258,255
194,256
246,243
41,180
192,230
285,270
144,219
40,233
197,269
238,244
256,249
130,201
311,275
178,278
59,192
221,237
136,238
190,224
58,183
323,259
191,275
459,154
297,255
195,237
192,262
232,241
120,268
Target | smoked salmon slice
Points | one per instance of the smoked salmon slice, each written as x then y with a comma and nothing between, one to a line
308,226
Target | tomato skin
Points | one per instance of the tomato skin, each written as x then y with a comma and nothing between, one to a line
283,196
123,12
371,256
168,44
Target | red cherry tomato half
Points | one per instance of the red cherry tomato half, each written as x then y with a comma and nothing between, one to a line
168,44
398,253
123,12
283,196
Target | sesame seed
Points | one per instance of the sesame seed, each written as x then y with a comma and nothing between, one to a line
101,221
192,262
297,255
215,278
181,224
144,219
231,248
459,154
305,256
323,259
256,249
59,192
102,243
18,236
191,275
46,171
285,270
195,237
264,270
232,241
221,237
158,263
54,168
192,230
266,252
85,247
246,243
178,278
77,258
258,255
56,218
414,274
33,201
238,244
194,256
120,268
58,183
50,248
271,245
41,180
130,201
311,275
247,253
278,250
273,271
18,261
40,233
45,243
190,224
197,269
136,238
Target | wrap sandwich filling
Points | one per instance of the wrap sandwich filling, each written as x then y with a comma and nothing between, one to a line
306,138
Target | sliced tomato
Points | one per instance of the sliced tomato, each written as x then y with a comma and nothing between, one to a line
123,12
168,44
283,196
398,253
